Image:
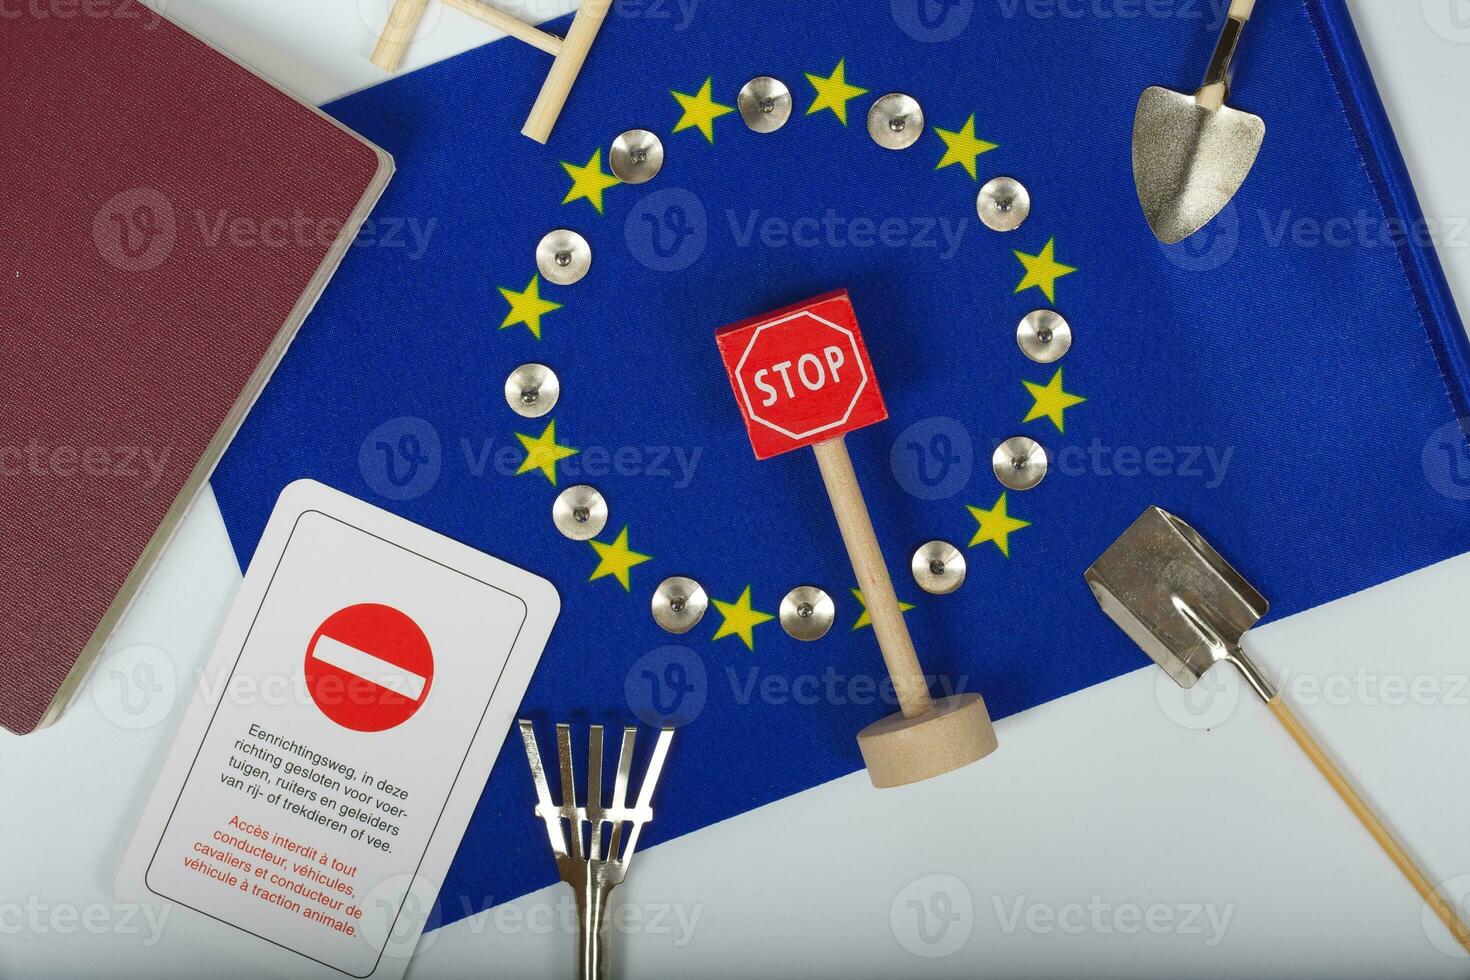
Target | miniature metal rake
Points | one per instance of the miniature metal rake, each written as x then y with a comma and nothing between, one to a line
591,868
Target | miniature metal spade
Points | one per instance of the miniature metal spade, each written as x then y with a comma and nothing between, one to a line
596,862
1191,153
1188,609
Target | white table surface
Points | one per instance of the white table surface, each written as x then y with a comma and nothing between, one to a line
1121,831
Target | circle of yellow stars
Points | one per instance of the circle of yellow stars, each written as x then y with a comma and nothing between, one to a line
699,111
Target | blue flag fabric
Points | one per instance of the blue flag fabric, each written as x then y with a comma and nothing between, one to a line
1289,381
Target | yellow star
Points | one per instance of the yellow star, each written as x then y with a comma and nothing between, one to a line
962,147
1051,400
589,182
700,110
740,619
1043,271
833,92
527,307
542,453
866,619
996,525
616,559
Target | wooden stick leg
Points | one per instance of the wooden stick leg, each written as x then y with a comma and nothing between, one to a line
565,68
872,575
1380,833
517,29
403,20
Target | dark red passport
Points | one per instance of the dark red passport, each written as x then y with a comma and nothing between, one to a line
168,219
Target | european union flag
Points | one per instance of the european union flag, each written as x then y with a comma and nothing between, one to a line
1291,380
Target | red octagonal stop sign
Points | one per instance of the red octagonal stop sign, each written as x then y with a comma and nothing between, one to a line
801,374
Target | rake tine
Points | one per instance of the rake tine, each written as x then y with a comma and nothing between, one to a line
544,807
594,789
620,793
645,792
569,789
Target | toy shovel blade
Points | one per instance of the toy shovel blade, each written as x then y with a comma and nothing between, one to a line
1175,596
1189,160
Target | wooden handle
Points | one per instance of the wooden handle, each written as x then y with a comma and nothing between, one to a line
565,68
872,576
403,20
516,28
1380,833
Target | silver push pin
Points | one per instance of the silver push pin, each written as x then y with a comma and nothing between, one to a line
596,866
938,567
1044,336
563,257
765,104
1004,204
579,513
807,613
1019,463
1188,609
896,121
532,390
636,156
679,604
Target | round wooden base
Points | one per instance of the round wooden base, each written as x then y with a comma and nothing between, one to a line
954,733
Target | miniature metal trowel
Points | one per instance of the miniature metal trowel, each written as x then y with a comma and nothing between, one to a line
1191,153
1188,609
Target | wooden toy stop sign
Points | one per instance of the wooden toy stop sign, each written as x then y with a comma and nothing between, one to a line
802,377
801,374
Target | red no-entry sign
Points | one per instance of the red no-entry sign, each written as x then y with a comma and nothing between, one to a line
801,374
369,667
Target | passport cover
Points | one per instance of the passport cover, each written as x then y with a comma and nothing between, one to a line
169,219
1293,396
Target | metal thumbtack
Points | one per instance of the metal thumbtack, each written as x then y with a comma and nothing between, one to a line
579,513
532,390
1019,463
807,613
563,257
1004,204
938,567
595,867
1179,600
1044,336
636,156
679,604
896,121
765,104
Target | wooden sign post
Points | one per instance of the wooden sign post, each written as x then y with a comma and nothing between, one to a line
802,377
569,52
